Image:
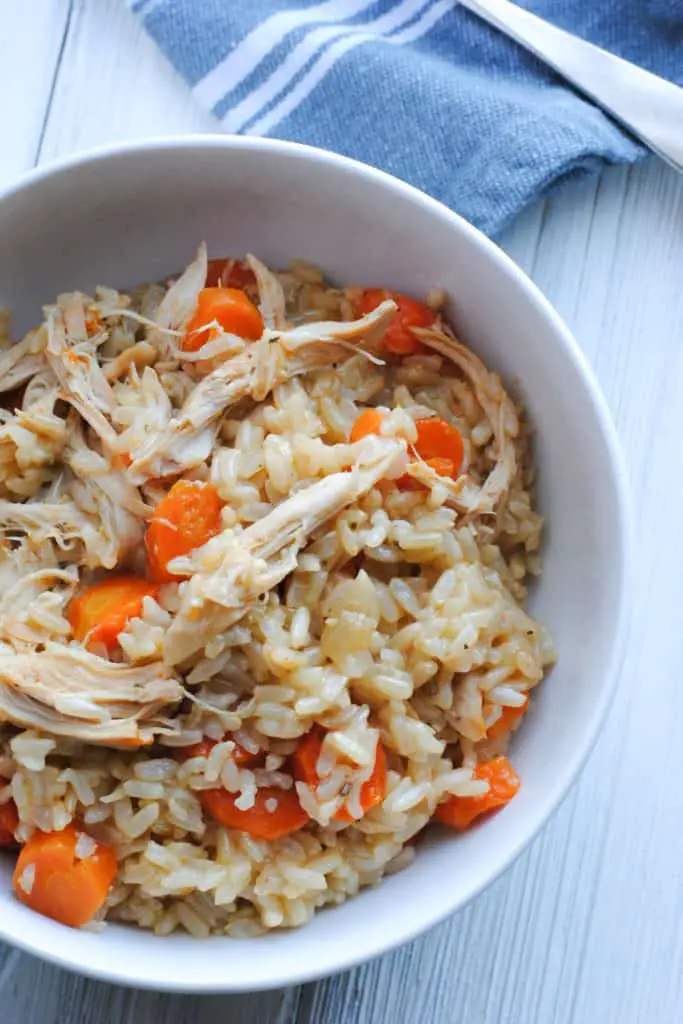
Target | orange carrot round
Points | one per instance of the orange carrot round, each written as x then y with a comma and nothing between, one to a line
230,308
508,718
100,612
305,760
185,519
373,789
61,875
438,440
9,820
459,812
438,444
275,813
369,422
229,273
399,337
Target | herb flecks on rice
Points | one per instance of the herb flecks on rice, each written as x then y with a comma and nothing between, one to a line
264,547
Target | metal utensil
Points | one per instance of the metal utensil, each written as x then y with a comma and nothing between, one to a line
649,106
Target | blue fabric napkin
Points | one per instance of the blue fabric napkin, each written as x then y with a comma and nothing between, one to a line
420,88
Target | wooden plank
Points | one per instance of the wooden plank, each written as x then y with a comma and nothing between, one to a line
30,52
115,85
36,993
585,927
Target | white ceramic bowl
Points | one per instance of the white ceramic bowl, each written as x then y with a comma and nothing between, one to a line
136,213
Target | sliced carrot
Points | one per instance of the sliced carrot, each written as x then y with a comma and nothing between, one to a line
9,820
100,612
373,789
438,444
51,878
369,422
437,439
230,308
305,760
399,337
186,518
275,813
460,811
508,718
229,273
305,757
202,749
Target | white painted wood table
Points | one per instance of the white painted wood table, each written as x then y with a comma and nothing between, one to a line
586,927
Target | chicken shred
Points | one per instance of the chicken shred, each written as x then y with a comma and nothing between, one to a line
271,295
72,356
189,437
177,306
232,570
67,691
31,443
19,362
464,494
107,495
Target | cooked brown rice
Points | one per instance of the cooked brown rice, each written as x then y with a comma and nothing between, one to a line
388,612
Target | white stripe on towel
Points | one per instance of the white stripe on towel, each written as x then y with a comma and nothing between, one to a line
280,80
262,39
330,57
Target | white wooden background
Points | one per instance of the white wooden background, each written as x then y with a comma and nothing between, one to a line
587,926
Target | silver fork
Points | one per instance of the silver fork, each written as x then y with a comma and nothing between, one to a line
649,106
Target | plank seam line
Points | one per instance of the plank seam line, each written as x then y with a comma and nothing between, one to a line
8,967
53,85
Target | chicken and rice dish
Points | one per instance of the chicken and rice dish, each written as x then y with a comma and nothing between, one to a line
265,546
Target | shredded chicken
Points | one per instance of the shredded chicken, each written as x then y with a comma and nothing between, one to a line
58,522
31,443
68,691
177,306
72,356
94,513
21,372
140,355
19,560
32,607
232,570
42,385
189,437
107,495
464,494
271,295
143,409
18,362
365,332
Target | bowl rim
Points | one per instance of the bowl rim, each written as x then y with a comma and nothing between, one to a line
346,957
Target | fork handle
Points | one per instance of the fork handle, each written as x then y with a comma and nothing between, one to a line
648,106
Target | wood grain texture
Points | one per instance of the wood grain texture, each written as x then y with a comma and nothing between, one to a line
586,926
30,54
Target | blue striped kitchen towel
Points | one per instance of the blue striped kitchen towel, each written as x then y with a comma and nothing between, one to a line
420,88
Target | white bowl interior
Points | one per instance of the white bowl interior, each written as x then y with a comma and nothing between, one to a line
132,216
